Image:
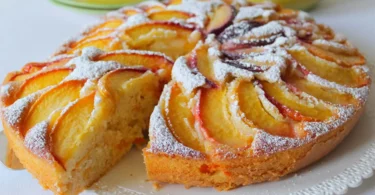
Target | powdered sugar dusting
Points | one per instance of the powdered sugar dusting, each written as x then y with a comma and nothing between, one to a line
265,143
36,140
85,68
252,12
222,70
319,128
133,21
13,113
6,90
358,93
200,9
162,141
185,76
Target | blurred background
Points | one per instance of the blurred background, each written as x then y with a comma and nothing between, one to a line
113,4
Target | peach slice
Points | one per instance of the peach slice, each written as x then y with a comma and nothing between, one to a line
70,127
320,92
42,80
237,30
180,119
255,113
200,60
294,107
97,34
329,70
221,19
131,11
340,58
170,38
17,76
106,44
137,58
52,100
152,7
213,117
241,53
166,15
174,2
36,66
113,81
110,24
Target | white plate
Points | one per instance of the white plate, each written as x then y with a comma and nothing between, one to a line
50,25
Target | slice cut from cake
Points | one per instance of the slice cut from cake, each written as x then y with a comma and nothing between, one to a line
69,124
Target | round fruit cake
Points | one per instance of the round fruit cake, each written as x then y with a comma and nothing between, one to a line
230,93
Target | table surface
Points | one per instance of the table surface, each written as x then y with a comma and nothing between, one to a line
32,30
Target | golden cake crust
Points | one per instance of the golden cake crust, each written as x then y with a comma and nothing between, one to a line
255,92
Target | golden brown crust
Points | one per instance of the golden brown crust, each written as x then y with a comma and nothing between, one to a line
237,172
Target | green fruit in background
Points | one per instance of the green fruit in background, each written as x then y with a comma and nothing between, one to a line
294,4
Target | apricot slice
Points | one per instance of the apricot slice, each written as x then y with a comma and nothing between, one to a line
294,107
52,100
180,119
70,127
329,70
43,80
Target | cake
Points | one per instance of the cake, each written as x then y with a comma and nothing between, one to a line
230,93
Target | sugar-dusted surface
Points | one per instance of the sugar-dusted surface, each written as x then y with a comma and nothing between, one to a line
253,12
186,77
37,139
338,15
162,140
14,113
86,68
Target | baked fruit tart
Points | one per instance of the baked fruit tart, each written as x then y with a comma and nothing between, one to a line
230,93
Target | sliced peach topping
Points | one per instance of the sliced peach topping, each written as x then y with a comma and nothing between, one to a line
110,24
320,92
36,66
52,100
130,12
106,44
167,37
43,80
213,117
256,114
180,119
294,107
151,61
222,18
166,15
91,36
329,70
112,80
174,2
200,59
343,59
70,127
